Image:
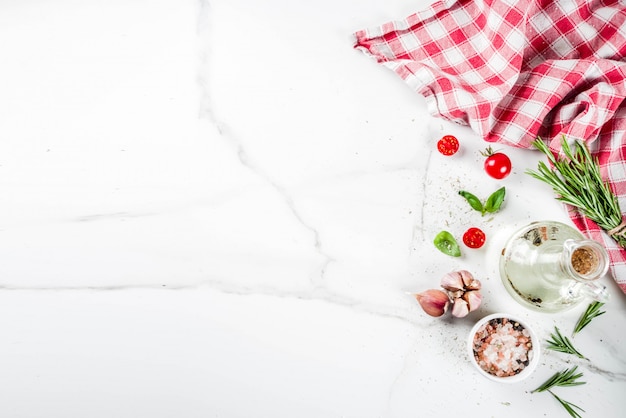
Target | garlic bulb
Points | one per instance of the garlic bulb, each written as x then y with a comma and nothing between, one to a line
461,290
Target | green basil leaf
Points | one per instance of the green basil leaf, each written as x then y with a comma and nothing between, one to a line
473,201
494,201
446,243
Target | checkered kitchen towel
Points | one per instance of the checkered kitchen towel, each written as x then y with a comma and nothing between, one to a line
515,70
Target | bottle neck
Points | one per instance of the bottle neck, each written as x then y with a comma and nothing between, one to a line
584,260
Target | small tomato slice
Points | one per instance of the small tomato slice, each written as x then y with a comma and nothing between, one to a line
474,238
448,145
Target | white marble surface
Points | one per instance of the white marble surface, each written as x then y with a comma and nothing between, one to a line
218,209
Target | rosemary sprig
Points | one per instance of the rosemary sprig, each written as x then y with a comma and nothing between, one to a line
575,178
562,344
593,311
567,377
569,407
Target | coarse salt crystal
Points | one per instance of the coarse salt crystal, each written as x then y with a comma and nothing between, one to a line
502,348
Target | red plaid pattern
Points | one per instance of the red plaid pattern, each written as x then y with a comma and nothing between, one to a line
515,70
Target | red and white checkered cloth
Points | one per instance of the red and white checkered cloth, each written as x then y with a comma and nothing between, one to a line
515,70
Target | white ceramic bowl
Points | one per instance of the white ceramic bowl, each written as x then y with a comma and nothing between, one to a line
508,348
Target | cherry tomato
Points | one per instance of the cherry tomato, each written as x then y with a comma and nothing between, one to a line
497,164
448,145
474,238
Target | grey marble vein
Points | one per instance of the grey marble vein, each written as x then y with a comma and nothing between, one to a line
208,112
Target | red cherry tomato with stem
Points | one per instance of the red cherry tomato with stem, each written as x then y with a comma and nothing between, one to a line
497,164
448,145
474,238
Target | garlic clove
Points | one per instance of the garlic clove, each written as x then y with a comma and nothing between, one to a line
466,276
434,302
469,282
460,308
452,282
473,299
474,285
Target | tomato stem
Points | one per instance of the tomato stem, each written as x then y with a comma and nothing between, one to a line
488,152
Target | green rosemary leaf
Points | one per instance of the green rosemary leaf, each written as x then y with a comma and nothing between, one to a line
569,407
562,344
567,377
576,180
593,311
